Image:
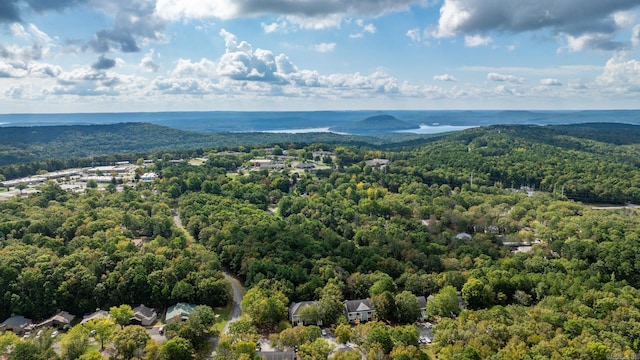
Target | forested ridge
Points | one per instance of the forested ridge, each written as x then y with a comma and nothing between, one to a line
29,144
417,226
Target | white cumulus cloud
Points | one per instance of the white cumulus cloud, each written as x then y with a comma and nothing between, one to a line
444,77
504,78
414,34
364,29
550,82
324,47
620,74
148,63
476,40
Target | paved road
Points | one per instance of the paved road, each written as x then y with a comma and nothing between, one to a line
236,285
238,293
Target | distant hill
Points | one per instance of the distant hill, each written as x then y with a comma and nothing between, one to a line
47,147
44,143
376,124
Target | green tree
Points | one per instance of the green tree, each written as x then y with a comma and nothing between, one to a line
21,186
379,334
408,353
183,291
386,283
265,307
92,184
244,350
131,341
408,307
310,314
152,350
294,336
103,328
74,343
318,349
445,303
25,350
92,355
197,328
385,306
121,315
242,330
347,355
7,340
330,304
405,335
344,334
177,349
477,294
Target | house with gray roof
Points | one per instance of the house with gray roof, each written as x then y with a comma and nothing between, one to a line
17,323
98,314
359,310
377,163
423,307
143,315
58,321
295,314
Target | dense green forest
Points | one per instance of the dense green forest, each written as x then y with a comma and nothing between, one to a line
59,143
354,232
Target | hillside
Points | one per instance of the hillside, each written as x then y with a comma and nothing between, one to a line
595,162
354,232
376,124
28,144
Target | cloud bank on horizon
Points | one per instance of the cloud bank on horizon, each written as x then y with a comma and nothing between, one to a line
151,55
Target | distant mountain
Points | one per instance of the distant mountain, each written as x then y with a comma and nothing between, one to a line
375,124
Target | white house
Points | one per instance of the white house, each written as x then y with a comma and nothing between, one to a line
295,316
359,310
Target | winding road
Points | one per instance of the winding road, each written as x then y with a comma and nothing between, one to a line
238,293
238,290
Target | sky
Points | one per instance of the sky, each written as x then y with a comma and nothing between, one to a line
67,56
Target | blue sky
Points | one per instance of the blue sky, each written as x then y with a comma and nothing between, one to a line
157,55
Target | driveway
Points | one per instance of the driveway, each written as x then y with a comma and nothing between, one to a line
154,332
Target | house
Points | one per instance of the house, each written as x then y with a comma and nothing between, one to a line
98,314
261,163
137,242
321,154
463,236
266,164
150,176
144,316
16,323
377,163
305,166
58,321
179,312
423,307
296,319
359,310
